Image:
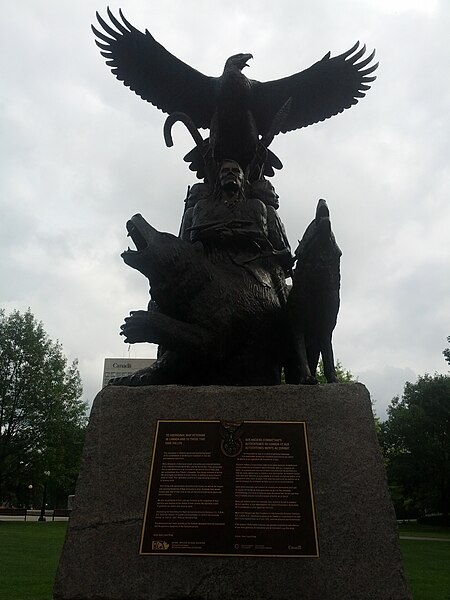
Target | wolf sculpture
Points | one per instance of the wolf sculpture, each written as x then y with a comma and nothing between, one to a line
313,302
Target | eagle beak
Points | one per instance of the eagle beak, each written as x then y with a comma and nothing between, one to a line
245,58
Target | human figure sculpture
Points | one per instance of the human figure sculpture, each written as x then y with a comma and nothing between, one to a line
219,300
234,227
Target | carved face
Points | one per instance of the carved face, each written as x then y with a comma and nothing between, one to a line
264,191
231,177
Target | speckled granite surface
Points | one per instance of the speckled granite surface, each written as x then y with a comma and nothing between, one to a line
359,552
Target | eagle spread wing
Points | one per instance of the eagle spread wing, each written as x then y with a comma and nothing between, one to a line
155,74
325,89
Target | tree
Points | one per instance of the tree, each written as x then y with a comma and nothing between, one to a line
446,352
416,444
342,374
42,418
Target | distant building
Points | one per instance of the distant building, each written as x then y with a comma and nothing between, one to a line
118,367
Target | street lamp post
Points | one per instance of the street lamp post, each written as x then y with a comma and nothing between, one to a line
44,497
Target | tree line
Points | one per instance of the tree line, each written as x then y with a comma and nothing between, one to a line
415,440
42,416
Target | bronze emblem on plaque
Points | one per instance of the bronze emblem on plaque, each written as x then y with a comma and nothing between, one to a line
230,488
231,433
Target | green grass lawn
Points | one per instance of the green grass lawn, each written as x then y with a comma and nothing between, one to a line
427,567
29,554
427,564
415,529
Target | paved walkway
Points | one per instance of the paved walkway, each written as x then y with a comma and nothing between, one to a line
32,515
426,539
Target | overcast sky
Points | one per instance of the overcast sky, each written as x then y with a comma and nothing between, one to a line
81,153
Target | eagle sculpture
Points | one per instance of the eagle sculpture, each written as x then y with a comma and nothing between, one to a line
243,115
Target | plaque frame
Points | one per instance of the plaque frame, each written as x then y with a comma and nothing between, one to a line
307,461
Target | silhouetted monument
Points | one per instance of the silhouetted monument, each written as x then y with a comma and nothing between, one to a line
230,486
219,307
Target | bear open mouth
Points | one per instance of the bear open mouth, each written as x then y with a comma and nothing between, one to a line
138,239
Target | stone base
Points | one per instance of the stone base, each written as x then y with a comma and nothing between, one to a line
358,539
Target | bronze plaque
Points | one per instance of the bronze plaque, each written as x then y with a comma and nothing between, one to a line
230,489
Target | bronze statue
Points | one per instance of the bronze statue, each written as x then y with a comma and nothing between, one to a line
243,115
219,300
313,303
220,309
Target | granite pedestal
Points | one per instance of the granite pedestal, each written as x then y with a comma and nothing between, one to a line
359,557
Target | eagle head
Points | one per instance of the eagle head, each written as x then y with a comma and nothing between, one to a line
237,61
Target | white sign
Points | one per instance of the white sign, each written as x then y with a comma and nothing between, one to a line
120,367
